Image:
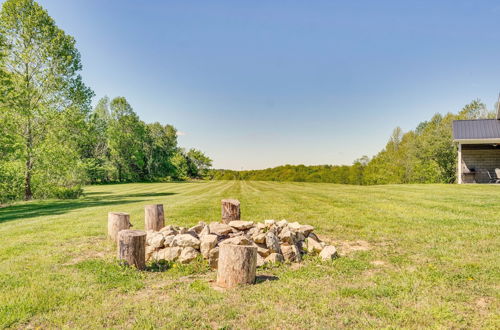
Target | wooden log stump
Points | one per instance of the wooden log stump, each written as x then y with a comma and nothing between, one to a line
154,218
117,221
237,265
132,247
230,210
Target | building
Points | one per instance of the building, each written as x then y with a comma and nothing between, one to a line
478,150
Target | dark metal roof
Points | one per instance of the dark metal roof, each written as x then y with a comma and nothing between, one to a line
477,129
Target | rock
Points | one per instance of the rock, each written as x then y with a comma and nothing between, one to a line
213,257
260,261
168,230
298,228
207,243
329,252
186,240
169,253
282,223
252,231
313,246
286,236
149,252
291,253
262,250
237,240
198,228
269,223
168,240
188,254
299,237
156,240
240,224
237,233
259,238
204,231
260,226
220,229
275,258
272,242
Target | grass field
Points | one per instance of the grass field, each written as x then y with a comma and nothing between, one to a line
413,256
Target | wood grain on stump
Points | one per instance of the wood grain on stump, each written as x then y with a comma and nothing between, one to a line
237,265
154,218
230,210
132,247
117,221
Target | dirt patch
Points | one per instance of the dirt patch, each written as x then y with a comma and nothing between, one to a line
378,263
482,305
348,247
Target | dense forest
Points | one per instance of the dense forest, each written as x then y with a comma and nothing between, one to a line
426,154
52,141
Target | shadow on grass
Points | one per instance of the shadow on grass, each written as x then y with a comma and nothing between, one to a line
41,208
264,278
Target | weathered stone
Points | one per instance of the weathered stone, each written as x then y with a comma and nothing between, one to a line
169,253
262,249
207,243
213,257
275,258
168,230
205,231
182,230
269,223
155,240
252,231
168,240
286,236
260,261
291,252
149,252
188,254
240,224
237,233
298,228
220,228
259,238
260,226
198,228
299,237
237,240
272,242
313,246
186,240
329,252
282,223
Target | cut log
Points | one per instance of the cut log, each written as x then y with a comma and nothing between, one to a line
132,247
230,210
237,265
154,218
117,221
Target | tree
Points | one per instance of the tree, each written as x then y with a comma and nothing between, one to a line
199,162
42,65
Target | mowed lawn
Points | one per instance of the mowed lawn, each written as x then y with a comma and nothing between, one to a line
412,256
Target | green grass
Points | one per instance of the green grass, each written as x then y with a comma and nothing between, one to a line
429,256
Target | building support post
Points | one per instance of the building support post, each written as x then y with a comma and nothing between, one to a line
459,165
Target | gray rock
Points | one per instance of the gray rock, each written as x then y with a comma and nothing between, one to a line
269,223
186,240
272,242
260,226
205,231
168,230
149,252
220,228
282,223
329,252
188,254
262,249
313,246
298,228
240,224
260,261
207,243
182,230
275,258
287,236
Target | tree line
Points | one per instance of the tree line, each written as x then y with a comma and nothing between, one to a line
52,141
425,154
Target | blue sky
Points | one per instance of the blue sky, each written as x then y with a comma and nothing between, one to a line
263,83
